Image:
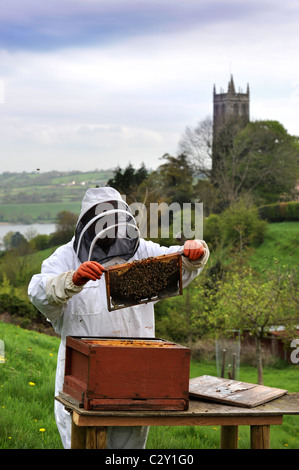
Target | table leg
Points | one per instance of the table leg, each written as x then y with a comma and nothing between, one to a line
96,437
260,437
88,437
102,437
78,437
229,437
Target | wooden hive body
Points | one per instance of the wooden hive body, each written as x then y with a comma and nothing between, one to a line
127,373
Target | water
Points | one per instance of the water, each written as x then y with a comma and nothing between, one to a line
27,230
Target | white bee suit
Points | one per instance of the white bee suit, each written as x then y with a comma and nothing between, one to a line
82,311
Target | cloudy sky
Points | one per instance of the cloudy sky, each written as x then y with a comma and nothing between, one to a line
88,84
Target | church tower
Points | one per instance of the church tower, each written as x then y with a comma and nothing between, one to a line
230,106
231,112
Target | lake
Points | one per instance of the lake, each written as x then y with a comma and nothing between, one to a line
36,229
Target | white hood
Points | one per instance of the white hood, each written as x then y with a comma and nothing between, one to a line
95,196
106,228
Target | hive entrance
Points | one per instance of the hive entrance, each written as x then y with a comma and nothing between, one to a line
143,281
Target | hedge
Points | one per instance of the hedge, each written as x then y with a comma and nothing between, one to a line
279,212
21,309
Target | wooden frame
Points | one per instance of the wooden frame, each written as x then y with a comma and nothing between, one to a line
121,269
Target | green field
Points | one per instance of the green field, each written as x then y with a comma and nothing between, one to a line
19,181
45,212
39,197
27,374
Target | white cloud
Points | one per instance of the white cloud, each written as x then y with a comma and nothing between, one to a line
130,100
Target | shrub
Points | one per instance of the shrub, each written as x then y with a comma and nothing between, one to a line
242,226
212,233
237,225
40,242
282,211
18,307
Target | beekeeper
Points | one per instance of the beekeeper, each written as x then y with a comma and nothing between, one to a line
70,290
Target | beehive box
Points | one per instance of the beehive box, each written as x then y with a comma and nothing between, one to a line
143,281
127,373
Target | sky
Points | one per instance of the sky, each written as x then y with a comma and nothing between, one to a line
96,84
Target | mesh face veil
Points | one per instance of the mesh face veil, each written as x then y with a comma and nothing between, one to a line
107,230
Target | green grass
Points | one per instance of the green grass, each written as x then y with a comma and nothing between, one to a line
93,176
44,187
280,247
27,389
285,436
44,212
25,409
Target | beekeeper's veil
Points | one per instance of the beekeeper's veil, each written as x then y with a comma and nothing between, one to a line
106,228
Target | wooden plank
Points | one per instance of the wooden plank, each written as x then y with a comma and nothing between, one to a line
91,438
102,437
169,420
229,437
232,392
78,436
135,404
260,437
285,405
96,437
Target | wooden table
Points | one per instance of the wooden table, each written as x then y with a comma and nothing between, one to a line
89,428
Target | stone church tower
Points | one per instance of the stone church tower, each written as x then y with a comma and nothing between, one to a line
231,112
230,106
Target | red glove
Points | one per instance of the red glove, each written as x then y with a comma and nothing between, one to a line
193,249
90,270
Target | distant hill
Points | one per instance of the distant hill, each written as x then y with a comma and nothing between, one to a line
31,197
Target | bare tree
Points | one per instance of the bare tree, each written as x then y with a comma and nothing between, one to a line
197,143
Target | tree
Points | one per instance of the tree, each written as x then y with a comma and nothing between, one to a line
197,144
188,317
65,228
246,301
238,227
40,242
7,240
261,160
66,221
176,177
128,180
15,240
207,193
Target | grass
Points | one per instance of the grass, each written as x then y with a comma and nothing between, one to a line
27,389
280,247
94,176
27,399
285,436
43,212
46,186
